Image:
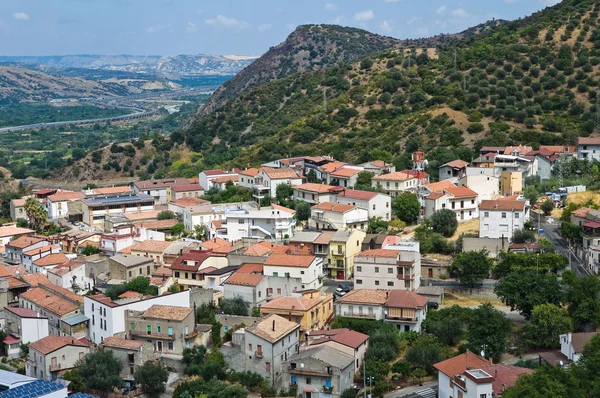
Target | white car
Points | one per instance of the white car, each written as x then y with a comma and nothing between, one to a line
339,292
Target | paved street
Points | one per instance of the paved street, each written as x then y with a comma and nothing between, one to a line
427,390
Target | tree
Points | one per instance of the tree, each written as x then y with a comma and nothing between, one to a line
396,226
88,250
488,331
523,290
364,178
255,312
523,236
406,206
448,331
546,323
418,375
302,211
76,381
544,262
166,215
424,356
401,368
30,205
376,368
234,306
22,223
283,193
100,370
199,232
152,376
546,381
531,194
547,206
444,222
377,225
471,268
587,368
583,294
348,393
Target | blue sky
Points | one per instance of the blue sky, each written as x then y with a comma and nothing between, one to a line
243,27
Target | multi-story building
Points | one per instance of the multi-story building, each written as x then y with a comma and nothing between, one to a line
453,170
319,371
267,180
190,269
500,218
17,209
268,344
206,178
461,200
588,148
57,205
393,184
329,215
485,161
107,317
9,231
270,223
312,193
71,276
310,313
487,187
345,176
388,269
511,183
132,353
24,326
96,209
15,249
406,310
154,249
53,355
175,192
379,167
35,254
344,245
206,213
42,265
348,341
376,204
170,328
246,177
120,239
308,268
157,189
362,304
126,266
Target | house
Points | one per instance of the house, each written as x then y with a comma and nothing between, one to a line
221,183
303,241
378,167
132,353
500,218
308,268
71,275
15,249
453,170
53,355
95,210
42,265
572,344
206,213
171,329
268,344
406,310
206,177
362,304
345,176
75,326
175,192
35,254
74,241
344,245
107,191
345,340
217,229
376,204
393,184
329,215
588,148
267,180
579,216
10,231
312,193
190,268
17,209
251,284
120,239
485,161
157,189
546,159
433,294
246,177
487,381
309,313
511,183
126,266
457,365
178,205
23,326
321,371
388,269
154,249
57,205
315,164
276,222
107,317
487,187
215,278
461,200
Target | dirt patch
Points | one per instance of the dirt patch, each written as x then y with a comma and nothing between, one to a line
467,227
582,198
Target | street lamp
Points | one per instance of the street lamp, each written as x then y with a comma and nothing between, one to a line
370,378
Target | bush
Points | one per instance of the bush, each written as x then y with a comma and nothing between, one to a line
444,222
475,128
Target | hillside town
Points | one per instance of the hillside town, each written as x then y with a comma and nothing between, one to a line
331,279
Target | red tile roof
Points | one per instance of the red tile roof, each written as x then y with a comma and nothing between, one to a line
435,196
51,259
345,337
151,246
197,257
244,279
125,344
291,303
111,190
282,208
345,172
461,192
505,376
456,164
379,253
42,249
334,207
64,196
502,205
35,279
251,172
405,299
52,343
396,176
440,186
49,301
358,195
250,268
24,312
458,364
260,249
313,187
287,260
225,179
130,294
24,242
581,212
187,188
12,231
280,174
188,202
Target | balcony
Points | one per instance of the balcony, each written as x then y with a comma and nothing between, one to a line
363,316
406,277
258,354
328,390
293,385
157,336
357,220
401,318
55,367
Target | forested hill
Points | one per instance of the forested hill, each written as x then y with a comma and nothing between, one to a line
533,81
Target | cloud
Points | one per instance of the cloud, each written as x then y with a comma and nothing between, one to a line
155,29
264,27
191,27
386,27
413,20
459,13
21,16
330,7
228,22
441,10
366,15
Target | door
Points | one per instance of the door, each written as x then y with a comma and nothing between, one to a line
340,275
462,214
159,346
307,394
430,273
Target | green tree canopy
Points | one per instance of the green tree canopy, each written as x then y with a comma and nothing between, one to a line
152,376
166,215
587,367
283,193
100,370
523,236
488,331
302,211
406,207
471,268
234,306
546,382
547,206
543,262
547,322
377,225
583,294
444,222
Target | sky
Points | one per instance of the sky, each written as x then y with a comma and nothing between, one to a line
223,27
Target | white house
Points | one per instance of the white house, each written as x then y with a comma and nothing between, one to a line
57,205
206,177
378,167
25,325
107,317
487,187
33,255
571,344
15,249
308,268
313,193
267,180
71,276
362,304
395,183
376,204
329,215
52,355
452,367
120,239
387,269
499,218
246,177
206,213
461,200
9,232
588,148
158,188
276,222
345,176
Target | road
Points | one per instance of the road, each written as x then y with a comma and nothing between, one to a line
427,390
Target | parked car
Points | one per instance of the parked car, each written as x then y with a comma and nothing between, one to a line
432,305
344,287
339,292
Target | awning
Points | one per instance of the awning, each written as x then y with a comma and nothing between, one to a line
10,339
592,224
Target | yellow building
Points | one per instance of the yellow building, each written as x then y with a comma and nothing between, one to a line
485,161
511,183
311,311
343,247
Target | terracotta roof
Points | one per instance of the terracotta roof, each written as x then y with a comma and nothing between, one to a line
379,253
244,279
35,279
130,294
12,231
52,343
345,172
215,243
103,299
218,224
251,172
282,208
260,249
505,376
345,337
214,172
379,163
502,205
435,195
142,215
110,190
280,174
291,303
364,296
49,301
225,179
331,167
250,268
528,245
396,176
406,299
160,184
23,242
579,340
440,186
456,164
358,195
151,246
65,268
156,224
461,192
169,312
458,364
272,328
126,250
162,271
188,202
522,149
324,238
42,249
64,196
14,283
197,257
334,207
24,312
581,212
187,188
51,259
313,187
125,344
287,260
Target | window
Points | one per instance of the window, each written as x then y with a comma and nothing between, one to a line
359,281
93,320
225,328
390,283
249,347
376,270
170,331
148,329
259,293
275,273
373,207
132,326
486,214
301,272
268,367
472,201
92,306
279,290
176,274
482,395
130,274
170,345
390,270
503,215
376,283
503,228
287,274
358,268
157,329
81,355
516,215
308,380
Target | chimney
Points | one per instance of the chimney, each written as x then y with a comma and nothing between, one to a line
495,373
273,324
387,294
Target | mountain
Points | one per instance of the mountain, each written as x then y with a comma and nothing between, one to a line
88,61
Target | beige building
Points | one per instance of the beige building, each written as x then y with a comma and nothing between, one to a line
190,268
53,355
511,183
126,266
396,183
328,215
170,329
153,249
132,353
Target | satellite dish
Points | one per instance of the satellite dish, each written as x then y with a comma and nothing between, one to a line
302,365
482,353
385,312
561,363
425,163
